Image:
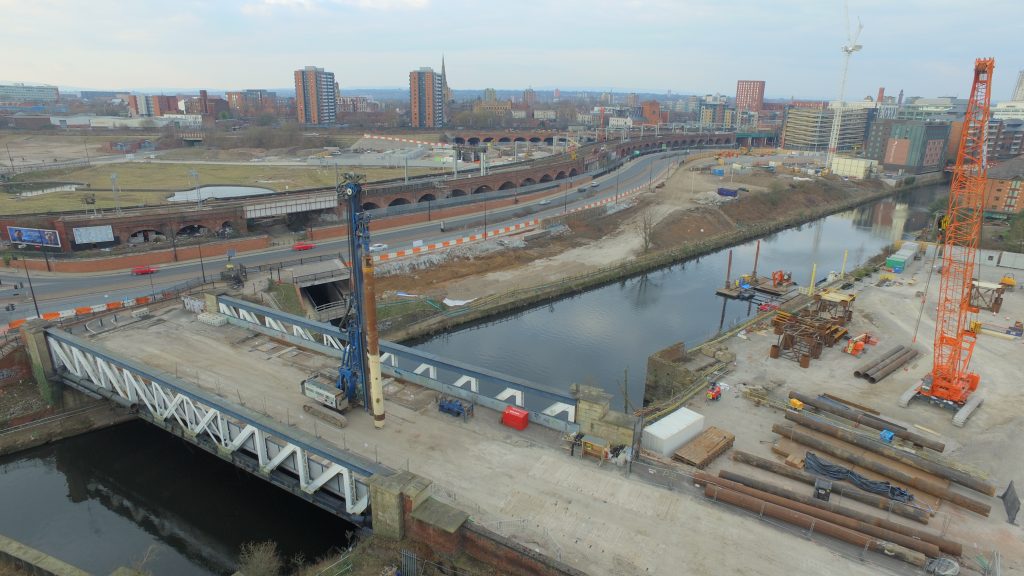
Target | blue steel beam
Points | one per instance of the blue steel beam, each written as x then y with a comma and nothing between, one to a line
557,402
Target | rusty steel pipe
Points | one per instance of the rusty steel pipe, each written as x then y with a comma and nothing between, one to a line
869,420
899,363
845,490
861,441
806,522
898,476
895,360
863,368
945,545
926,548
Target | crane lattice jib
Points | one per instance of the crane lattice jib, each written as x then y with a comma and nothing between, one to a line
954,335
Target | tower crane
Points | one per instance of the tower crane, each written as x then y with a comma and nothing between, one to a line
848,49
950,383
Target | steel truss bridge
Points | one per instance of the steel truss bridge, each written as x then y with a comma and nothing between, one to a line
548,406
332,478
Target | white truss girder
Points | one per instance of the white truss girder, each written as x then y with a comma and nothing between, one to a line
224,426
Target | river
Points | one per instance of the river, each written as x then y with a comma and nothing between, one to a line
603,337
117,496
109,498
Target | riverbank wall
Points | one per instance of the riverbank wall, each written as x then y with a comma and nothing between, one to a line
32,561
487,307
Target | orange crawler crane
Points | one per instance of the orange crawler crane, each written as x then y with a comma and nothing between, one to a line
950,383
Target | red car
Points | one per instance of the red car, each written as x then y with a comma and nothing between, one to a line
143,270
303,246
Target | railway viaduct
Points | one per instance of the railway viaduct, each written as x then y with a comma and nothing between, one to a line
168,221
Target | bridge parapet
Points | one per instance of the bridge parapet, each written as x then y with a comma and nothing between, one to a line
547,406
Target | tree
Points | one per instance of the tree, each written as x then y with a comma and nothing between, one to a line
260,559
645,227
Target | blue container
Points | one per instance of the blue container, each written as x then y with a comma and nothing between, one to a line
718,171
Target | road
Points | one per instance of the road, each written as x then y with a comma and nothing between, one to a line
55,292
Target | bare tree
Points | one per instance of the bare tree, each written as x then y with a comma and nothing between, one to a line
260,559
645,227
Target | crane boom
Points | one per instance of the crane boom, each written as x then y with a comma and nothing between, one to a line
950,382
954,330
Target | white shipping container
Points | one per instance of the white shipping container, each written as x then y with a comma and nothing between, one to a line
671,432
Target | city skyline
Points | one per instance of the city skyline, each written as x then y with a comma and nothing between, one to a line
691,47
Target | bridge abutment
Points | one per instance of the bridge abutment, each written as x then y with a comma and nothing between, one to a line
51,388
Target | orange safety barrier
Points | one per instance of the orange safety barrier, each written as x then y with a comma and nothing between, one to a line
17,323
113,305
51,315
83,310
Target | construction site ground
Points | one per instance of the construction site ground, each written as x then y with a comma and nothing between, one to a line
686,209
591,516
988,443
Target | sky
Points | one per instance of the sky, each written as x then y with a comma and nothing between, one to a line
924,47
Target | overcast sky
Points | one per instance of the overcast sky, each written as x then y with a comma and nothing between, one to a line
925,47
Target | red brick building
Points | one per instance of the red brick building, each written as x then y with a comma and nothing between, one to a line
749,95
1002,193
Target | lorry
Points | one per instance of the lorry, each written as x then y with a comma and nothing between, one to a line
730,192
321,386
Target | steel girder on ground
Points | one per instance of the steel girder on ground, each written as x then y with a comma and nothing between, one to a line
548,406
287,457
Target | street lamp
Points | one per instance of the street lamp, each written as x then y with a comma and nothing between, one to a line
152,289
199,196
202,268
485,217
30,289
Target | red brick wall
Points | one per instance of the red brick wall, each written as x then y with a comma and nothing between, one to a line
148,258
508,556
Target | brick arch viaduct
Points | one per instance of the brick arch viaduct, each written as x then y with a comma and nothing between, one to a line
215,215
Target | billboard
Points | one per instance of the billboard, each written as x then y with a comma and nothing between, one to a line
34,236
93,234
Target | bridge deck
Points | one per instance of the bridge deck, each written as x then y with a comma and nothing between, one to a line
593,517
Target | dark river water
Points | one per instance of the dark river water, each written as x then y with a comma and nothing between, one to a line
114,497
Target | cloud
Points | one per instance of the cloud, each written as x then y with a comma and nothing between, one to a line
266,6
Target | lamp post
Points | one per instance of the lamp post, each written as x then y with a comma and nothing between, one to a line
30,289
485,217
199,196
202,268
152,289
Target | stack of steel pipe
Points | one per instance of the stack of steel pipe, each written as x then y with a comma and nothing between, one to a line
869,420
859,372
861,534
846,491
941,470
898,476
890,365
944,544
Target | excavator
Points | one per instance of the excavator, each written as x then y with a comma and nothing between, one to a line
950,383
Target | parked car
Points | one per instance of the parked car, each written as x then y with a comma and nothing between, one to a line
303,246
378,247
544,202
143,270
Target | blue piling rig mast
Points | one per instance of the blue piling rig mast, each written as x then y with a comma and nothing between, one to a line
352,374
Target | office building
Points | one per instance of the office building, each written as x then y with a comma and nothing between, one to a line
1002,191
908,146
28,93
252,102
316,96
749,95
152,106
427,105
810,129
529,97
